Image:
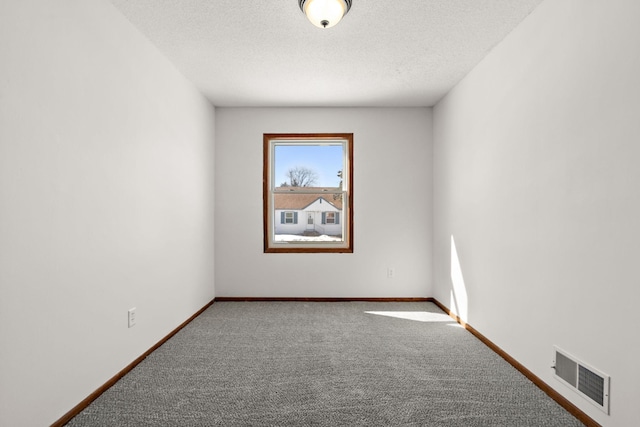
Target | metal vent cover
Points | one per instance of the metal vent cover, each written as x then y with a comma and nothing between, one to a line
590,383
566,369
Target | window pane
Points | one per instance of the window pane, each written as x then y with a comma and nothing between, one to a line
308,165
318,210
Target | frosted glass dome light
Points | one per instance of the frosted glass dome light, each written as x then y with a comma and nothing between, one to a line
325,13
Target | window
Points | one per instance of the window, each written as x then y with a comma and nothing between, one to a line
289,217
330,218
308,176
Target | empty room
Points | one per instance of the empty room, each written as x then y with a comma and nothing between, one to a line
319,212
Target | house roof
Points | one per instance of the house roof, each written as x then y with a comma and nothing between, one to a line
285,198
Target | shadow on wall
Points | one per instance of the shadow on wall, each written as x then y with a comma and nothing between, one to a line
458,301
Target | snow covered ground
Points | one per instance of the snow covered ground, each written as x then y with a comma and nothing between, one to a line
297,238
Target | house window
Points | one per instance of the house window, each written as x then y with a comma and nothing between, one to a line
309,175
329,218
289,218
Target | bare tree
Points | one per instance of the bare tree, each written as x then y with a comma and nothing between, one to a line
301,176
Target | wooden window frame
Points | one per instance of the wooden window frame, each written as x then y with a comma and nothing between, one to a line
270,246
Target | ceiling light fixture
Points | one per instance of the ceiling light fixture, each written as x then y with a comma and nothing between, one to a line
325,13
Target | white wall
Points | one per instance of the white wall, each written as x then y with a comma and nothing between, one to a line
536,179
392,206
106,202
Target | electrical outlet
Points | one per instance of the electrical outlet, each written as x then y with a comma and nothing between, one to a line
391,272
132,317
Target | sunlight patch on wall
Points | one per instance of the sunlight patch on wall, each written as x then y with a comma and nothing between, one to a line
459,303
418,316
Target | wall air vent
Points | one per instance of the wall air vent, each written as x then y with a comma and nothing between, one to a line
590,383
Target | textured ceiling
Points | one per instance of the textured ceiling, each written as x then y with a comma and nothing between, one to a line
383,53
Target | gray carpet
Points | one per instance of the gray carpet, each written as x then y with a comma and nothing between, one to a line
323,364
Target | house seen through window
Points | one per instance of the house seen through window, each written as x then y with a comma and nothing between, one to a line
308,192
